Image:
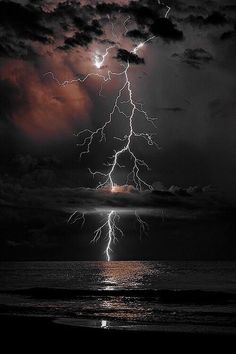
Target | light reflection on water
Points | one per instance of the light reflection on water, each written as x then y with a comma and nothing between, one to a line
118,275
114,291
104,324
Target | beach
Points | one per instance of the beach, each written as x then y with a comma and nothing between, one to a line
167,302
36,334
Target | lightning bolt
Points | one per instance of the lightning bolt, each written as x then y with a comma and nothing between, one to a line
107,182
108,178
75,217
143,225
100,58
110,224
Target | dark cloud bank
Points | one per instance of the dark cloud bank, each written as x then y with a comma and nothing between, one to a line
30,22
194,57
185,222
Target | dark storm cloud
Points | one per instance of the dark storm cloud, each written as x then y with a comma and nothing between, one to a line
155,25
25,21
172,109
194,57
125,56
107,9
32,228
35,221
164,28
228,8
74,24
144,12
65,12
216,19
79,39
222,153
36,187
21,25
94,27
85,36
148,16
27,163
74,17
137,34
227,35
187,7
17,49
189,198
203,6
33,172
9,99
29,23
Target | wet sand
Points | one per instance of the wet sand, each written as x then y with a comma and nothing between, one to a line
33,333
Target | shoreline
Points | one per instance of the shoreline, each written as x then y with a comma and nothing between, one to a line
47,331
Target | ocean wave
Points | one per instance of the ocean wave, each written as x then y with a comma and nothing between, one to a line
162,295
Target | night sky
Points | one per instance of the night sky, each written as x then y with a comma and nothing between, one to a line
185,77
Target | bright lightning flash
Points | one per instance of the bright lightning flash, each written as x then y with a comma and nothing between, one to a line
112,229
100,58
108,178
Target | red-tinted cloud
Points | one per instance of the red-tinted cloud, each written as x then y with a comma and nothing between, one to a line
43,109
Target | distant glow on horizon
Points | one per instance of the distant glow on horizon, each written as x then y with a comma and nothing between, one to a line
119,189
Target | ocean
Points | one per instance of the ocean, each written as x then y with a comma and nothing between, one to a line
149,296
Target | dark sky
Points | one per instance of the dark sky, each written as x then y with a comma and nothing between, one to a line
187,81
185,77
